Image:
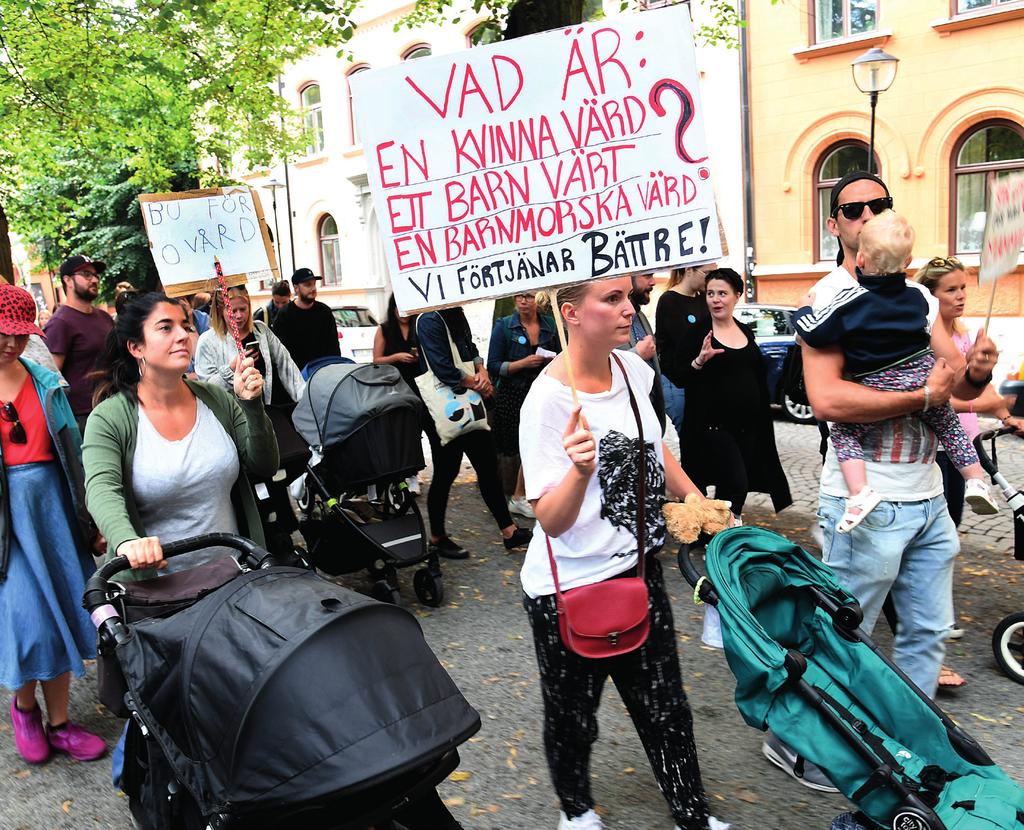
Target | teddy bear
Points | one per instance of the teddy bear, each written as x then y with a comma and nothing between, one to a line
687,519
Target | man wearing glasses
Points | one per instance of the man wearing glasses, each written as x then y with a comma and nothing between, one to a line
77,331
908,543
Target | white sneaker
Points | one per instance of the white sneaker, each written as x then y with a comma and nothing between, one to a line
588,821
979,498
713,824
955,633
521,506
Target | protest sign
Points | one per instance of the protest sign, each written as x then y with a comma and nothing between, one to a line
187,230
1004,227
545,160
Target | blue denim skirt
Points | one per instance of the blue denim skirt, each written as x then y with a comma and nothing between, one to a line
44,632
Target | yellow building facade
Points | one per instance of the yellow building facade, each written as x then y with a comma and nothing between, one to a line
954,114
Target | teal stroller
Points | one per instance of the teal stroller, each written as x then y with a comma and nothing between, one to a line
805,670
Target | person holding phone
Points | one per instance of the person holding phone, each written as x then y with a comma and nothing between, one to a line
282,382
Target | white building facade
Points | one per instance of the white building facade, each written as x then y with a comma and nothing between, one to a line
333,221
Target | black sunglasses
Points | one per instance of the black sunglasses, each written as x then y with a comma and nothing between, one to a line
854,210
10,414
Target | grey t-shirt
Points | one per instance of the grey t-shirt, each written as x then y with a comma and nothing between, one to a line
183,488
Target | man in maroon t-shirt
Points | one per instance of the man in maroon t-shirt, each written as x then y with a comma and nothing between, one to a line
77,331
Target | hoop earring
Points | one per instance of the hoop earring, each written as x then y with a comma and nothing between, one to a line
142,367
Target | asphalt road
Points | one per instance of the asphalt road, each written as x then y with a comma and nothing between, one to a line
482,637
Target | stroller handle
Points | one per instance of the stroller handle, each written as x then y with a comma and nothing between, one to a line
988,462
705,590
98,589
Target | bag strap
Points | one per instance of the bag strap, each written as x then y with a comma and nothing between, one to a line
641,506
456,357
641,502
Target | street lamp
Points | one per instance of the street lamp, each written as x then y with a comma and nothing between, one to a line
874,72
273,186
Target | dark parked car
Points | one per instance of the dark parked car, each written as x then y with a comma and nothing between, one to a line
774,334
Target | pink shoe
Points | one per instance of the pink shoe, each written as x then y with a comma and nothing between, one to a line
76,742
29,737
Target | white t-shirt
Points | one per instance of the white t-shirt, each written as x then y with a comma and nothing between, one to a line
183,488
603,540
900,454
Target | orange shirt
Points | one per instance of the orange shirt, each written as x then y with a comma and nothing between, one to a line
38,446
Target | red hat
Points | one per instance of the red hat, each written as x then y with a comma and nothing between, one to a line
17,311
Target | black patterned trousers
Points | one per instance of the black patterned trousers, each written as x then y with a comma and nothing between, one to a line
650,684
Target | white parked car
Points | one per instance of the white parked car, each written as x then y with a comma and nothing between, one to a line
356,330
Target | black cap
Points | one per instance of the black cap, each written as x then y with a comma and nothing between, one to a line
839,187
303,275
72,264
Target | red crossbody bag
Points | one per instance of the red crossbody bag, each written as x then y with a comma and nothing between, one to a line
610,617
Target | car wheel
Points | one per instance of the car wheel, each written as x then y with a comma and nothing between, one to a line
799,412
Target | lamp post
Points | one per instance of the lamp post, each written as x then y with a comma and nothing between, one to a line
273,185
874,72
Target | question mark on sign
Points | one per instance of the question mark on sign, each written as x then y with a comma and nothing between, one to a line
685,116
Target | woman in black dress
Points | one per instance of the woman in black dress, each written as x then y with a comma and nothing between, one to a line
728,438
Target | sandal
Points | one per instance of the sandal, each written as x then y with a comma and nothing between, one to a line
863,503
950,679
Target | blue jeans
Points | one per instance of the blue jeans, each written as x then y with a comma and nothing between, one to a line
906,548
675,403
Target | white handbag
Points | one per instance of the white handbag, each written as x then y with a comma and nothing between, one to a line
454,412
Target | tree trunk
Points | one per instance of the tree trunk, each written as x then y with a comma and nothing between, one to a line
528,17
6,257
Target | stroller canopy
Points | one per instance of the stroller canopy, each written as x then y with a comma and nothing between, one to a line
281,688
341,398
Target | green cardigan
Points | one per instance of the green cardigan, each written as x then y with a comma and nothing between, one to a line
108,452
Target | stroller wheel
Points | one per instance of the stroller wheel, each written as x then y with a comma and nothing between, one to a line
429,587
1008,646
383,592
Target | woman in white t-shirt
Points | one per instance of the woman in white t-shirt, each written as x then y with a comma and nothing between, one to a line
581,476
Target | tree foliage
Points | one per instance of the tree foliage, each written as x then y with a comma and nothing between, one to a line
98,87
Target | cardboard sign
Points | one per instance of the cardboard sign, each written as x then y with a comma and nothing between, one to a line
1004,228
187,230
564,156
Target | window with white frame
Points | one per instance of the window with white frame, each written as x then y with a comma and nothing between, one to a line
330,250
313,117
995,148
834,19
353,129
977,5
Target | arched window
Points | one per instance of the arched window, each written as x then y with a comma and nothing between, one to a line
330,250
313,117
420,50
993,147
836,162
353,130
482,34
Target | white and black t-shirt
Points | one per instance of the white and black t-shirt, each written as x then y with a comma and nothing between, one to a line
603,540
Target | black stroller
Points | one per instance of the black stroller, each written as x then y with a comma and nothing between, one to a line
362,422
276,700
1008,637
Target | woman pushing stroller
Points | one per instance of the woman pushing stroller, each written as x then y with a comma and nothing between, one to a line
582,469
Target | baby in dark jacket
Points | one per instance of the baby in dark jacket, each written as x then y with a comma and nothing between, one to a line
882,326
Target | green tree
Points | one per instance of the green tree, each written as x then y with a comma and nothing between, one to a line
146,87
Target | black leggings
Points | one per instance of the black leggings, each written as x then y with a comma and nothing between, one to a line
478,445
730,448
650,684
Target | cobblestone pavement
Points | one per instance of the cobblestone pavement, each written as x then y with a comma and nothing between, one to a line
482,637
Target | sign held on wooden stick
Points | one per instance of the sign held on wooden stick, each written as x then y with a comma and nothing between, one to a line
564,156
188,230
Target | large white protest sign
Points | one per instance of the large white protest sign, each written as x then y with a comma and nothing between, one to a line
1004,228
187,230
549,159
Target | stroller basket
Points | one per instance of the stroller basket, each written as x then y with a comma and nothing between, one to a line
805,670
280,689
